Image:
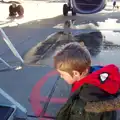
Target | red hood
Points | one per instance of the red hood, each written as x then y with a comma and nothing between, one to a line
106,78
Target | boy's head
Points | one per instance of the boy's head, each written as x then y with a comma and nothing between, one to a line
72,62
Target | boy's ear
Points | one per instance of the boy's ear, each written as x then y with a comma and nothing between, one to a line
85,72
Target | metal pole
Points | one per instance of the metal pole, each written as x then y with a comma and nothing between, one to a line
10,45
6,63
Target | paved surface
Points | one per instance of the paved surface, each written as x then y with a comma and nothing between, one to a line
19,84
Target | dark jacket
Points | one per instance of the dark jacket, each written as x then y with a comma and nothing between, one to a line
74,109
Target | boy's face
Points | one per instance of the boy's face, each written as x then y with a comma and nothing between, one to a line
71,79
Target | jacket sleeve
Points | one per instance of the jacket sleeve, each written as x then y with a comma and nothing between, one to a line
98,100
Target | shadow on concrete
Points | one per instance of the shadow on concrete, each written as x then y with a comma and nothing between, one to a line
9,2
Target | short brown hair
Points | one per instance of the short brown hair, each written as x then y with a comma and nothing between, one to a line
71,57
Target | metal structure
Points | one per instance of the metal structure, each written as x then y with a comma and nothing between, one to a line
13,50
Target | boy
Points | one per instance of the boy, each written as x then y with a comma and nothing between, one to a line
90,85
